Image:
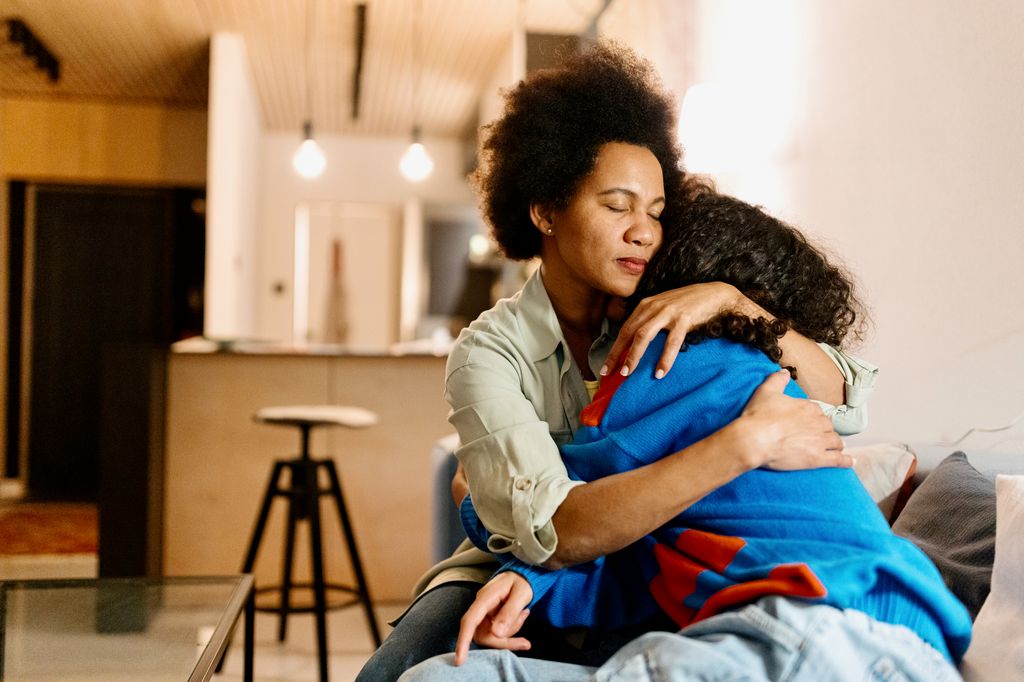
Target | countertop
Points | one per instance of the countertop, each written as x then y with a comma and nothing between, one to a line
204,346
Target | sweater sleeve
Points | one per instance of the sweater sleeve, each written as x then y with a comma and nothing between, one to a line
541,579
583,595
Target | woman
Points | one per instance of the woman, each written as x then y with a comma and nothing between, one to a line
575,171
813,537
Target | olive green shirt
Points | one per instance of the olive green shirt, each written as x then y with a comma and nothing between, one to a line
516,395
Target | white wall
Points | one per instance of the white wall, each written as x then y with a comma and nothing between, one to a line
510,69
901,146
235,130
659,30
359,169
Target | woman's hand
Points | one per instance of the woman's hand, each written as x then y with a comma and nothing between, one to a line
784,433
493,619
678,311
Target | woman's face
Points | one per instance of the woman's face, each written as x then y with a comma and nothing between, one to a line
606,235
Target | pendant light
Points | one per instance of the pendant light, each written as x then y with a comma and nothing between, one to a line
416,164
309,160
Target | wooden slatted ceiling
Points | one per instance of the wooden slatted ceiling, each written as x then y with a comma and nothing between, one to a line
109,51
158,51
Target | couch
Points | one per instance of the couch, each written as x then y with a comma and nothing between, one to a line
946,500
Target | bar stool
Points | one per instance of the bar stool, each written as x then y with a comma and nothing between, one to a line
303,493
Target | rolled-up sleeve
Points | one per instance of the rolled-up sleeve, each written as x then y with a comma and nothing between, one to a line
513,466
859,376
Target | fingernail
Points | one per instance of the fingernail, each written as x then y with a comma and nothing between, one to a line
659,374
603,371
624,371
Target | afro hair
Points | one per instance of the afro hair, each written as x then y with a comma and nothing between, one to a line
554,123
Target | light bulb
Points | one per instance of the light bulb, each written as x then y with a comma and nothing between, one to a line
479,245
309,160
416,163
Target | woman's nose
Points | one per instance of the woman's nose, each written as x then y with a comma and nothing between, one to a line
641,232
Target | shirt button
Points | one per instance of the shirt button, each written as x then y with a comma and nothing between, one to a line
523,484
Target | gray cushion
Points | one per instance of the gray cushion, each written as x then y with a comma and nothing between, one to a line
952,518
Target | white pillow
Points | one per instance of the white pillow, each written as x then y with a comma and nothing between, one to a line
883,469
997,646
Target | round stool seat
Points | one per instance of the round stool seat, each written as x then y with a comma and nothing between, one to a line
317,415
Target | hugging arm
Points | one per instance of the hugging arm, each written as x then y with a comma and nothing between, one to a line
681,310
774,431
524,496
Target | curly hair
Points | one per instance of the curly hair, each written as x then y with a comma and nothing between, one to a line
554,123
760,332
720,238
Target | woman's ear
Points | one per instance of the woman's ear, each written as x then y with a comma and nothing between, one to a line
543,218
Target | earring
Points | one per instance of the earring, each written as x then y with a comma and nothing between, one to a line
550,231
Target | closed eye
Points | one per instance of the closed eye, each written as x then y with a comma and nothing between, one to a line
617,209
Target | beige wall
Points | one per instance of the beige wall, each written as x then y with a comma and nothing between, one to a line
91,142
897,140
218,461
661,31
362,170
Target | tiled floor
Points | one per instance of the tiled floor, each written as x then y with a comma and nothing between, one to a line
293,660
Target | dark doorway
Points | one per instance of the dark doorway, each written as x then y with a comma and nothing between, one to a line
112,270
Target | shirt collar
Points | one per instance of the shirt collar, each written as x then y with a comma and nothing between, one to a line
537,317
544,333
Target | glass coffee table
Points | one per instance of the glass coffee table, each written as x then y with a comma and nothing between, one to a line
111,629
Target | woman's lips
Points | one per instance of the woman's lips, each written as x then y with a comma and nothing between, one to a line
634,266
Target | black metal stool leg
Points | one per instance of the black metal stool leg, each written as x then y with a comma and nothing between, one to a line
303,492
296,508
261,520
272,490
353,552
317,561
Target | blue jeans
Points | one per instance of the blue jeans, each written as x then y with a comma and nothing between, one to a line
431,624
774,639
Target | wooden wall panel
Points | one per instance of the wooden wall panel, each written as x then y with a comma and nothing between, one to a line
94,142
218,461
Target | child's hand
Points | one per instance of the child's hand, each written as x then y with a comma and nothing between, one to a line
496,615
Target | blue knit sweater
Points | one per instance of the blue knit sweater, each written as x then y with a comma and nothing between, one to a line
814,535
